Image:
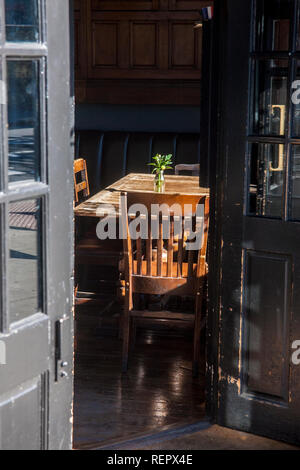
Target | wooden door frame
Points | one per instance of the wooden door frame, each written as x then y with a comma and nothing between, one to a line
217,167
220,139
61,265
216,172
39,361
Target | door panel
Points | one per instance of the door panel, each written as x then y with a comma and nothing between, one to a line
36,228
17,413
258,383
267,323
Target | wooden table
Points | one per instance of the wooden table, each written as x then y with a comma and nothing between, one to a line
139,182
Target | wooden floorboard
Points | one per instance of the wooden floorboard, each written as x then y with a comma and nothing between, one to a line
158,391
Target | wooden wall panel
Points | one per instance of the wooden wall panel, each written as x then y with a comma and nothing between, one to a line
105,39
80,42
160,92
144,44
189,5
184,45
125,5
76,42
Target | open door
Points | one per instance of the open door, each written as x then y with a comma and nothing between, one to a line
258,378
36,232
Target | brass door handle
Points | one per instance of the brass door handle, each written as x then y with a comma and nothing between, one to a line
281,107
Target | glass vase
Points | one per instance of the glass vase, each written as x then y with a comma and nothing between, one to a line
159,182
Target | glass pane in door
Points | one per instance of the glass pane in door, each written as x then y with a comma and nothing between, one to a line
23,100
273,25
269,111
298,31
295,102
267,167
22,20
25,259
295,183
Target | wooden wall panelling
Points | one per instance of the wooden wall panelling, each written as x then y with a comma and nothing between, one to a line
164,45
160,92
185,45
80,48
108,52
137,45
105,47
77,37
80,43
126,56
144,44
164,5
125,5
189,5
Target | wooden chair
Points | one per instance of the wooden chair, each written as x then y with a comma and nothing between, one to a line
89,250
82,185
194,169
181,272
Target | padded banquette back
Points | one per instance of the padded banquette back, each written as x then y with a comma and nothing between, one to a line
112,155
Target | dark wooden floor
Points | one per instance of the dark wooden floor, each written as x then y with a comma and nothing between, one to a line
158,391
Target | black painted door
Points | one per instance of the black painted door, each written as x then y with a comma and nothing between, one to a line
35,225
259,335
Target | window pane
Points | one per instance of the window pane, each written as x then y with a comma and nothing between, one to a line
23,120
270,97
22,20
25,259
273,25
295,183
267,166
298,32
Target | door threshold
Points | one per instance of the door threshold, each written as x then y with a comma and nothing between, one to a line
140,440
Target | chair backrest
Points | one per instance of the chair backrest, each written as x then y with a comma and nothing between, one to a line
158,260
81,181
194,169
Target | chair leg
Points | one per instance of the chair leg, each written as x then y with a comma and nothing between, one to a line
126,334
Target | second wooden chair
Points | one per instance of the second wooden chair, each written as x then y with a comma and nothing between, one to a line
89,250
194,169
